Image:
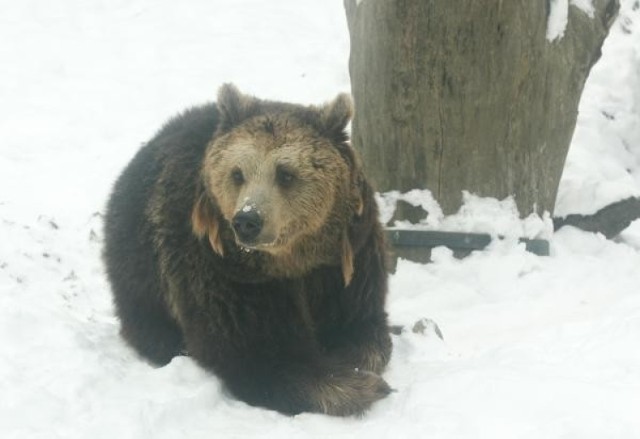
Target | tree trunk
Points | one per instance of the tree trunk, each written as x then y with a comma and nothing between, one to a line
455,95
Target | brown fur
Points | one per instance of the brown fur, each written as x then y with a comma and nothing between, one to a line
290,317
204,223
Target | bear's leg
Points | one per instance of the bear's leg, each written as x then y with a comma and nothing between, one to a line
148,327
267,355
152,333
357,332
363,344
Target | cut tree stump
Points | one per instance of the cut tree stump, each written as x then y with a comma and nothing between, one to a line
469,95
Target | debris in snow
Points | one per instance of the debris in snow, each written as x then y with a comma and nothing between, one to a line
426,327
70,277
610,220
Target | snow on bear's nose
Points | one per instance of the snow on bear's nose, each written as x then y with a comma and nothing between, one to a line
247,225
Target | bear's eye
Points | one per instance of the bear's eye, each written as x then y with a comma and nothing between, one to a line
284,177
237,177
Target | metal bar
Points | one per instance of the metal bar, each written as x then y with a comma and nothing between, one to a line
455,240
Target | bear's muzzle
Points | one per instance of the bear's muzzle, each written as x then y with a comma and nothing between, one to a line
247,225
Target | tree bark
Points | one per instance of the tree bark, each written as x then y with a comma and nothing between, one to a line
455,95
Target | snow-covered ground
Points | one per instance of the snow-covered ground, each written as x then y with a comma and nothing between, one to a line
534,347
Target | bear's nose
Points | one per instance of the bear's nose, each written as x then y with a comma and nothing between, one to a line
247,225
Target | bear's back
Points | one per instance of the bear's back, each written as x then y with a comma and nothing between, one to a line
177,147
159,181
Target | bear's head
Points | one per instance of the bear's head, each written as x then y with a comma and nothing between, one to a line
284,179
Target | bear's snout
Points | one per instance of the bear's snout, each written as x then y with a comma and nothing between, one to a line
247,225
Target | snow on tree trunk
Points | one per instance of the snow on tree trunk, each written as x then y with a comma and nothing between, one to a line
471,95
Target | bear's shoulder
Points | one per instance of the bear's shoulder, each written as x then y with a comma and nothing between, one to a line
192,129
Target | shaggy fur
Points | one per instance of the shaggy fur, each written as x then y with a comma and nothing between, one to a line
246,234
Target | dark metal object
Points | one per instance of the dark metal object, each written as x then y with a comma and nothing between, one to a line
456,241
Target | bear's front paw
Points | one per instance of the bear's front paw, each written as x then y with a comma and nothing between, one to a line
350,393
369,358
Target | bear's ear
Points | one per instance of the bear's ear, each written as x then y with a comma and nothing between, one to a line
234,107
337,114
204,222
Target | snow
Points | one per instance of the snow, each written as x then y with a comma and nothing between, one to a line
585,6
557,21
559,16
603,164
477,215
534,347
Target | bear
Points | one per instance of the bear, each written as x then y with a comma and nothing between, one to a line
246,235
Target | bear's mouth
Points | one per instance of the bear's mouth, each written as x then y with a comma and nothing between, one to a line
246,249
249,247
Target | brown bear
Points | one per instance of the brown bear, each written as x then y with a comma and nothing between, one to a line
245,234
